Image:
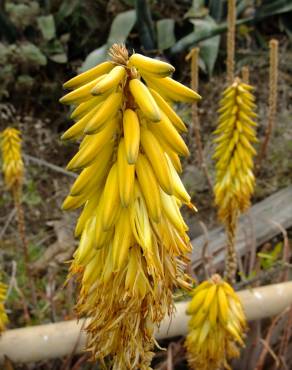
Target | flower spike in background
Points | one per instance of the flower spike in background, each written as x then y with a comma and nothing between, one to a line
3,315
13,170
235,136
133,243
216,327
12,161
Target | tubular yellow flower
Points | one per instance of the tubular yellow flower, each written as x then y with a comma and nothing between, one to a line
3,315
133,242
234,154
13,169
216,327
234,150
11,154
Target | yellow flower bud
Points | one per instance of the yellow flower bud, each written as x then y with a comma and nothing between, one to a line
10,143
234,151
217,325
234,154
3,315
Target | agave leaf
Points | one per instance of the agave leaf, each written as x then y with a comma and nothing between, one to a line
47,27
286,23
165,33
197,10
241,6
145,25
95,57
67,7
121,27
129,2
216,9
267,9
272,7
195,37
209,48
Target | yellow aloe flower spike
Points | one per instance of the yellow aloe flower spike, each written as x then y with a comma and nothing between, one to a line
217,325
11,154
13,170
234,152
133,242
3,315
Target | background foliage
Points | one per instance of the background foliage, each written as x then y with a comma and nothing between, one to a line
43,40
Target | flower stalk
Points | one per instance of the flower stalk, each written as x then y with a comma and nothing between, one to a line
193,56
231,25
245,74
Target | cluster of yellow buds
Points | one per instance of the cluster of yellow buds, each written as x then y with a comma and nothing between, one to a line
3,315
216,327
133,242
234,150
234,155
10,143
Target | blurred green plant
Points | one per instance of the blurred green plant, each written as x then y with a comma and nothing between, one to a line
37,38
31,196
269,259
208,20
119,31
